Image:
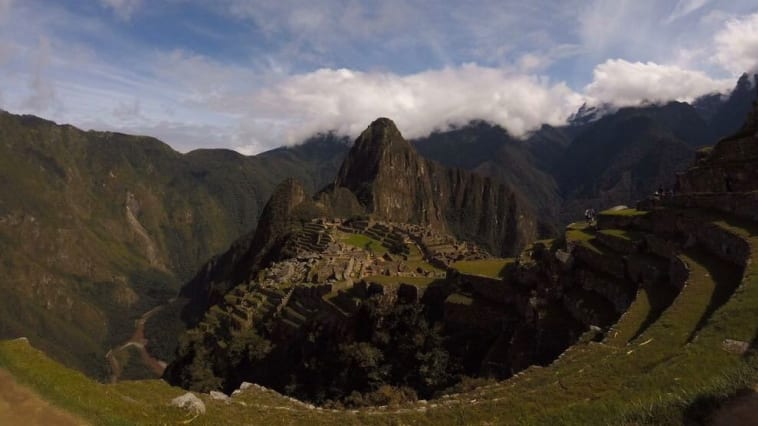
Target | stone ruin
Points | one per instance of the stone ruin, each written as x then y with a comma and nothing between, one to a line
294,288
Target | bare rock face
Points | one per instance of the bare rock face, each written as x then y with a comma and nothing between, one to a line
394,183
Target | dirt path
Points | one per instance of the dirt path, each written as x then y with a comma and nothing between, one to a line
739,411
138,341
20,406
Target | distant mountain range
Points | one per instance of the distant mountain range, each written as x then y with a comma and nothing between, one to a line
602,157
98,227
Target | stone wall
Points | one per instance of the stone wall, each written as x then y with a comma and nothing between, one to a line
743,204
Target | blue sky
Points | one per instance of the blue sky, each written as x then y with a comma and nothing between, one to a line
253,75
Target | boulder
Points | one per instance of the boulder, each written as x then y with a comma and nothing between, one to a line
190,402
220,396
735,346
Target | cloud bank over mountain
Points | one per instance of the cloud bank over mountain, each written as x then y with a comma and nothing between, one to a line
253,75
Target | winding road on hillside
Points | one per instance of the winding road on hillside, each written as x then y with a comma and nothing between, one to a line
137,341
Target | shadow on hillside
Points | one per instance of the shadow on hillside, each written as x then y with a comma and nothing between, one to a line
727,278
661,296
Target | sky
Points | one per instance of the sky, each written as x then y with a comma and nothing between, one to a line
253,75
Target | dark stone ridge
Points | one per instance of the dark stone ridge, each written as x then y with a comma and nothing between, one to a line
394,183
383,177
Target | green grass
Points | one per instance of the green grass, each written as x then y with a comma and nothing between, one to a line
623,212
425,266
647,306
622,234
391,280
582,234
366,243
460,299
493,268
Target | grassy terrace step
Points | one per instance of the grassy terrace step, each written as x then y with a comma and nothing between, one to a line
650,302
621,240
582,234
493,268
657,348
421,282
708,275
656,365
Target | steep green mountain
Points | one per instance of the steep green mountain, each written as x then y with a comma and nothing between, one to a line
283,307
384,178
600,158
393,182
728,117
97,227
489,150
627,155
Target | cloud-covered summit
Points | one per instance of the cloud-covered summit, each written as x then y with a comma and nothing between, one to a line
252,75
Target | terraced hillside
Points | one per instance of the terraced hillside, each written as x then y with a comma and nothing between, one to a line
663,361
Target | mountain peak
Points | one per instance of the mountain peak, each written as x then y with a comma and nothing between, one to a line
381,134
383,122
380,145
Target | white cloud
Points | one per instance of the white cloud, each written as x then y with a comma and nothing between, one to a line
684,8
624,83
736,45
124,9
413,73
347,101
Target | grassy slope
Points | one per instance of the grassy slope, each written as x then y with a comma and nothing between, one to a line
75,273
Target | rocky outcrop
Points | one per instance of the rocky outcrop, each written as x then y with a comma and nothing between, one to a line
729,166
190,402
394,183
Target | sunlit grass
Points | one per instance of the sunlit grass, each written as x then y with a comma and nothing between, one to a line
493,268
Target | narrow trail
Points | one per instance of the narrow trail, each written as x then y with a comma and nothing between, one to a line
138,341
21,406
